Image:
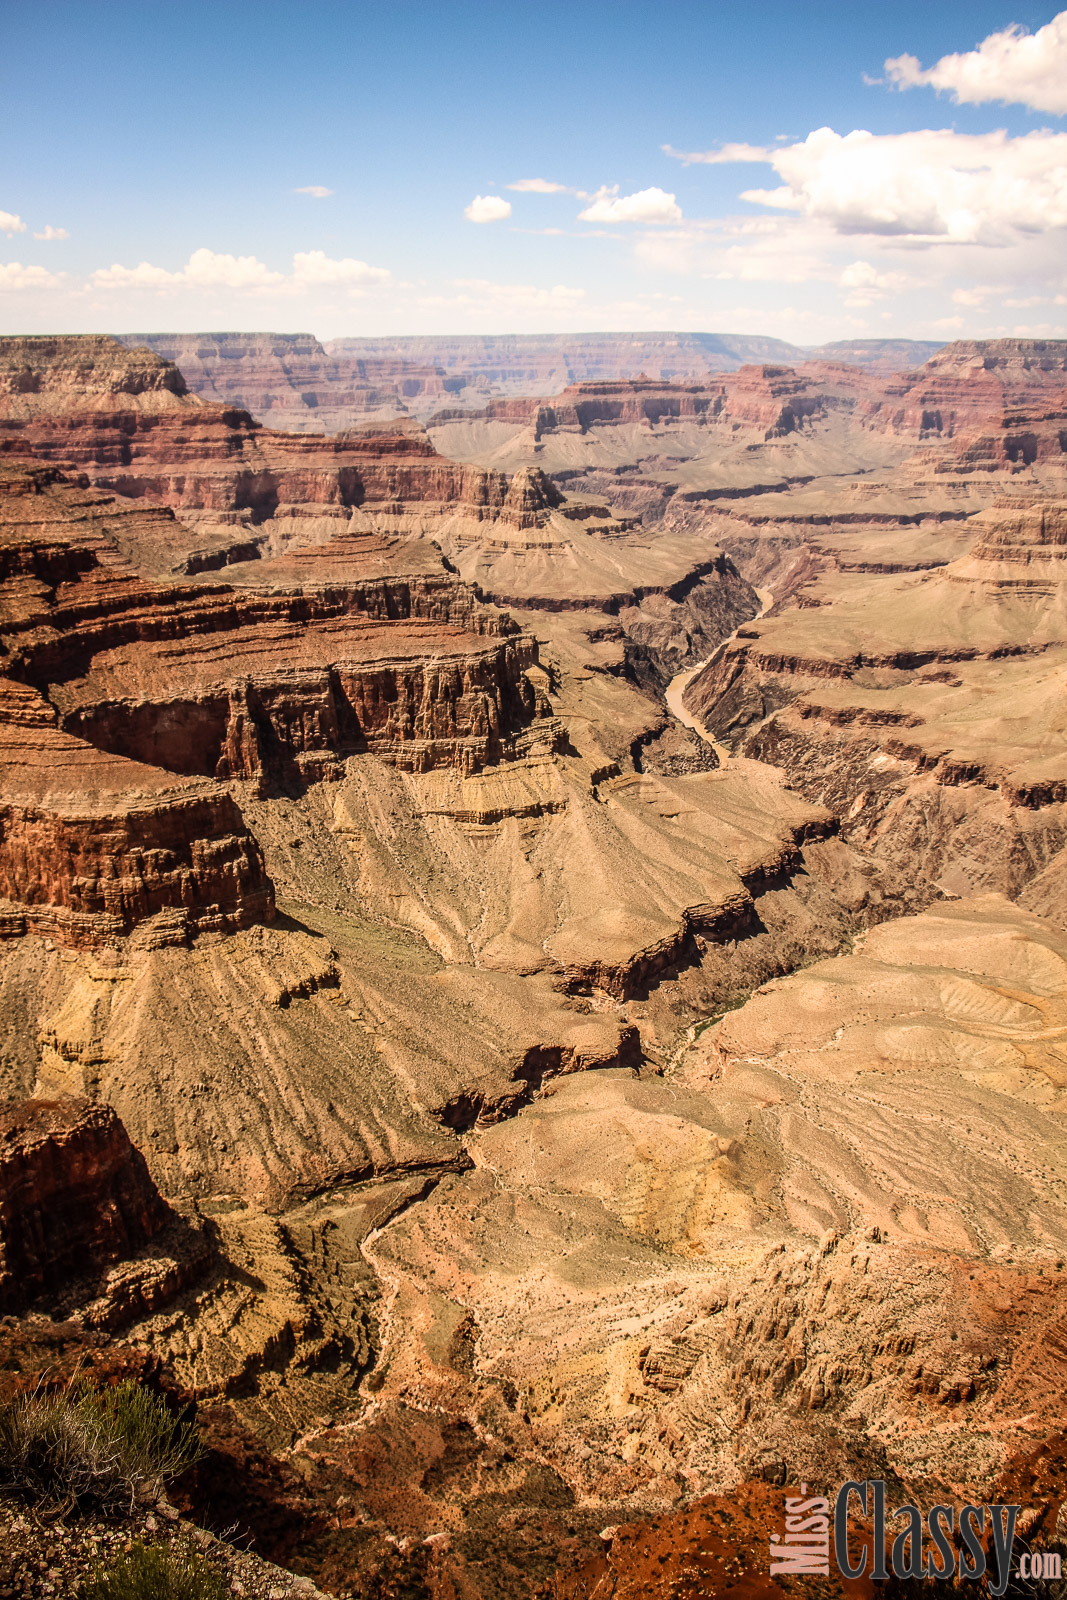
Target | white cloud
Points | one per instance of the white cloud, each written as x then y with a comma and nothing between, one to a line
1012,66
10,224
545,186
726,154
487,208
14,277
210,271
925,186
538,186
317,191
867,284
746,250
495,297
48,232
976,297
647,205
316,267
143,276
206,270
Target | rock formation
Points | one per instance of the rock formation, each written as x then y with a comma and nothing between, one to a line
545,363
289,380
926,711
605,1053
75,1200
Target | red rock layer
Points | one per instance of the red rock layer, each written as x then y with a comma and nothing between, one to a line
75,1196
125,418
92,863
91,845
775,400
121,699
1002,403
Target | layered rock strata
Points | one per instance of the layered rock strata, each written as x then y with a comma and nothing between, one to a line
773,399
75,1196
289,380
922,705
531,1218
545,363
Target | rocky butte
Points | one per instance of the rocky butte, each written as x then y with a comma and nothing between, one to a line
533,965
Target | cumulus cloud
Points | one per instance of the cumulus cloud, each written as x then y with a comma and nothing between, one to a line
925,186
207,270
48,232
210,271
1013,66
204,270
14,278
487,208
10,224
866,284
317,191
647,205
717,158
143,276
316,267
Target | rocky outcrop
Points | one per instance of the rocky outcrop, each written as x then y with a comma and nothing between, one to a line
998,405
91,871
75,1197
206,458
774,400
920,704
41,373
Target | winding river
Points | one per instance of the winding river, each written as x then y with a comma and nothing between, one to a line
681,681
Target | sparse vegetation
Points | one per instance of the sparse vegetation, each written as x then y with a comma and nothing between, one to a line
156,1572
84,1446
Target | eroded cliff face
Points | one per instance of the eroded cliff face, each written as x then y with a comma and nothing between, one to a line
776,400
82,1226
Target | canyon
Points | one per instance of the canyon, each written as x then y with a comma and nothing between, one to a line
294,382
536,1126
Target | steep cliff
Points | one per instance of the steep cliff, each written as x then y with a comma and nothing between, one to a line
75,1196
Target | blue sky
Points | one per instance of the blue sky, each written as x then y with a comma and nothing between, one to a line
156,158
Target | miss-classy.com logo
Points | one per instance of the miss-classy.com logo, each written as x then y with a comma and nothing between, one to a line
968,1541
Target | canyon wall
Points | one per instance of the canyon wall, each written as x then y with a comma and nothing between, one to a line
75,1196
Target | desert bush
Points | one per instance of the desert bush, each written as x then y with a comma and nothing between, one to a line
93,1447
156,1572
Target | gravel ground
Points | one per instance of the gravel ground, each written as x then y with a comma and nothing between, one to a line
51,1557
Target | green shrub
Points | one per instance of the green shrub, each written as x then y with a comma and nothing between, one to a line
154,1572
99,1447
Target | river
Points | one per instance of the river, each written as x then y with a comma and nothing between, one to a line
681,681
